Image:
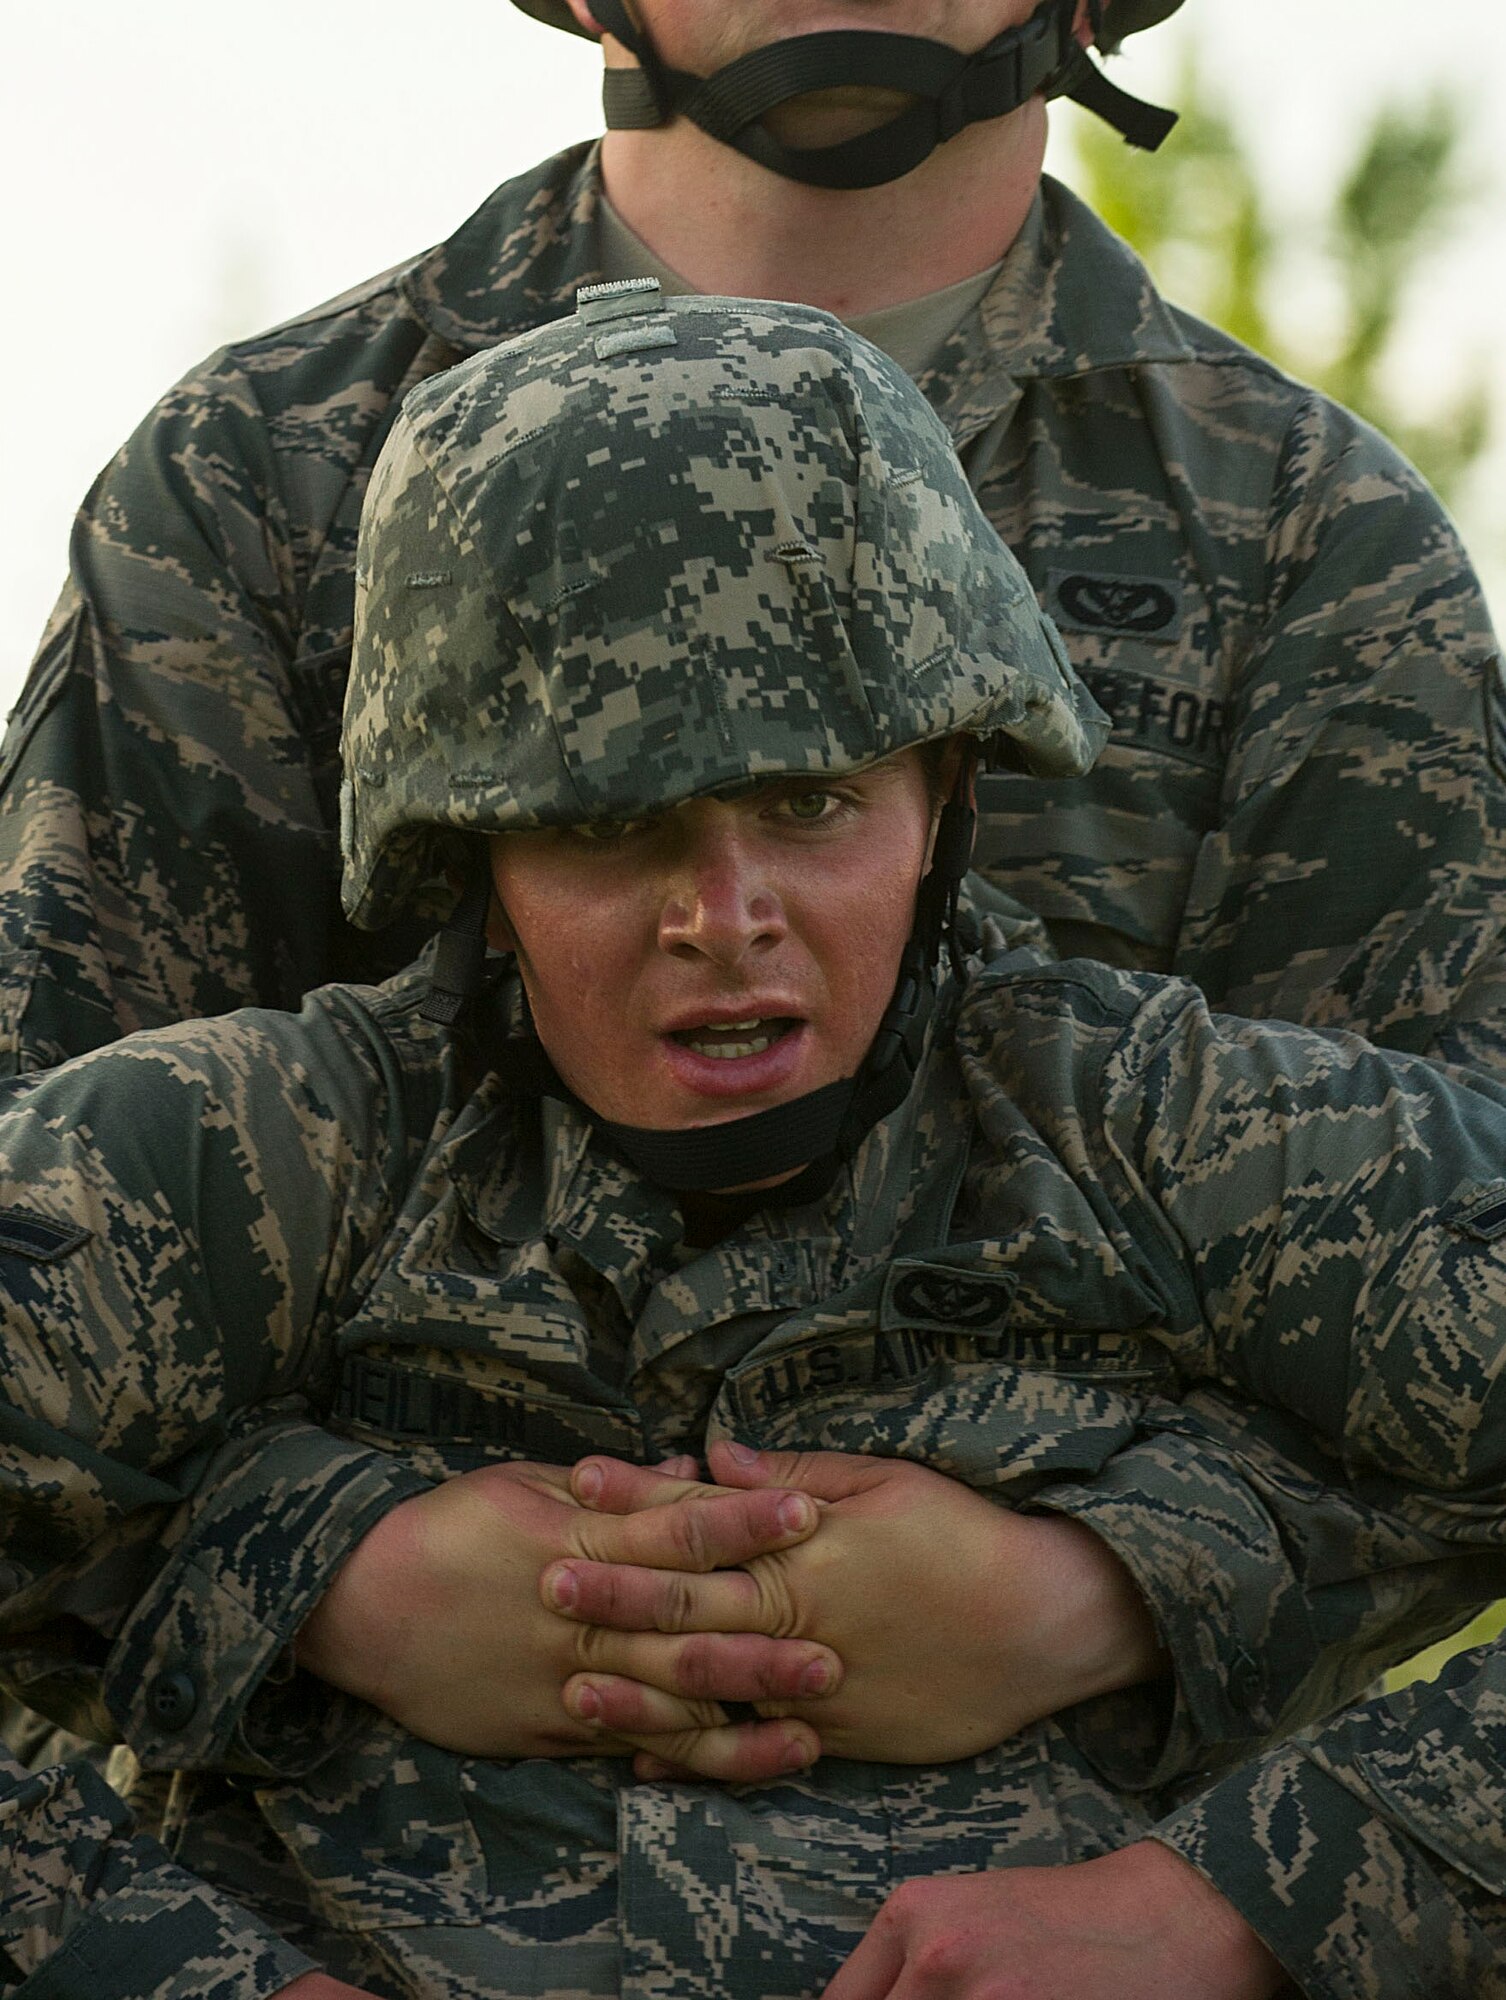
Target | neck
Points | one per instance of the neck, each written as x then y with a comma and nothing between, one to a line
749,233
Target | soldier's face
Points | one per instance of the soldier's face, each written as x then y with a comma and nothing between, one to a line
725,957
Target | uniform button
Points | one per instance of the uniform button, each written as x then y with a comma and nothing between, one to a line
1244,1677
172,1699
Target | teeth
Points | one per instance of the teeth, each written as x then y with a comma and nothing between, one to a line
754,1038
725,1050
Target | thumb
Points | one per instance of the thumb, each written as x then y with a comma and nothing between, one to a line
825,1475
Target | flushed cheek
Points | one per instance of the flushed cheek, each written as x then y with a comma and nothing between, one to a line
591,963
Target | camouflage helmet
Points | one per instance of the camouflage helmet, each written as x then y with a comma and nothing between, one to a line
660,549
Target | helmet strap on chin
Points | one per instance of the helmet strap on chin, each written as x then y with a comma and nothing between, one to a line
952,91
460,954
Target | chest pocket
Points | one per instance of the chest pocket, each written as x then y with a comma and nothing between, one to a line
942,1375
463,1355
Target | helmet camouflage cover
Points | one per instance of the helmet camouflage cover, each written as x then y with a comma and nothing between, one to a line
661,549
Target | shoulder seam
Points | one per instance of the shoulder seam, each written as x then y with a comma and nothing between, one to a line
342,304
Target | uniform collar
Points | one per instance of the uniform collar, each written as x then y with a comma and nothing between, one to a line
516,263
526,1169
1071,297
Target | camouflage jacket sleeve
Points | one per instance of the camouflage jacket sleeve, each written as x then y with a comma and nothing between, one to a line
154,751
91,1910
1357,875
170,769
169,1291
1324,1227
1370,1853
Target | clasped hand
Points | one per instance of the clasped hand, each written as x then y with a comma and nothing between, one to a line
867,1607
956,1621
437,1618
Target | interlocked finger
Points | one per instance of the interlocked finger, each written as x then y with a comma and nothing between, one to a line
704,1530
740,1753
696,1739
712,1666
625,1598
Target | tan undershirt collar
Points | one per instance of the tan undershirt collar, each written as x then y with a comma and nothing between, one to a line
911,333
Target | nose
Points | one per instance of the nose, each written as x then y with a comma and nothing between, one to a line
720,901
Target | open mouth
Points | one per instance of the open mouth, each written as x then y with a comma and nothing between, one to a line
727,1040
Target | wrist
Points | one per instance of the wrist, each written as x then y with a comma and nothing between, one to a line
1205,1935
1094,1632
353,1633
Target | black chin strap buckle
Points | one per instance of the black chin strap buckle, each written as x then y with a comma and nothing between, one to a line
951,91
905,1008
460,955
1013,66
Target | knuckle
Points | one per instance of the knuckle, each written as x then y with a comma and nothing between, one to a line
676,1603
690,1537
768,1672
777,1612
681,1746
904,1905
695,1669
591,1645
941,1960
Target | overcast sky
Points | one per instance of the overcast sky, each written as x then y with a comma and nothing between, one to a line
177,172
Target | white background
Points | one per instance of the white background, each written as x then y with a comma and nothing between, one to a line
177,172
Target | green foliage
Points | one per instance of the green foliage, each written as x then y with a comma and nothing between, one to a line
1426,1666
1198,214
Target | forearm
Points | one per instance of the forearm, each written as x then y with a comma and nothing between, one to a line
1374,1844
202,1673
1091,1632
1278,1590
169,1503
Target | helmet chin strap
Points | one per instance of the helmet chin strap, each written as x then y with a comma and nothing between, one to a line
953,91
811,1137
816,1133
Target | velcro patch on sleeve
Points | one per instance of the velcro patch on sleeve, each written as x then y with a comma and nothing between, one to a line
38,1237
1479,1211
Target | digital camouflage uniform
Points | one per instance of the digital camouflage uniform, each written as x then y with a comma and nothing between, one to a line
265,1276
1301,807
1247,1623
444,1276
